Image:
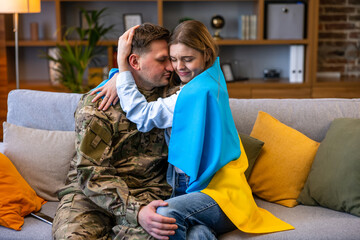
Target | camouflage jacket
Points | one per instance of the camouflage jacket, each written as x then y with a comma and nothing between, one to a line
116,166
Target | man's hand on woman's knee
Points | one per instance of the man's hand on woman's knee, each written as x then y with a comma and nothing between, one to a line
155,224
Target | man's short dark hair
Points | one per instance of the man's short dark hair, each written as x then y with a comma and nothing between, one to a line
145,34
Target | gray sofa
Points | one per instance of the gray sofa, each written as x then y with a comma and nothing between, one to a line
54,111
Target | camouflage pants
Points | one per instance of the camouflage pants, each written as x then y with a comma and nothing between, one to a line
79,218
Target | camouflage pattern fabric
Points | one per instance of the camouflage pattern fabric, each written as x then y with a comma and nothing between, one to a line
78,218
116,170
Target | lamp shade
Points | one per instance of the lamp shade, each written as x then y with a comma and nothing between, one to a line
20,6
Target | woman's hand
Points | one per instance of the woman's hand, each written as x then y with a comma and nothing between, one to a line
124,48
109,91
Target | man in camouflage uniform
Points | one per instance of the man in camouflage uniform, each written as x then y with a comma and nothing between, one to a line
118,171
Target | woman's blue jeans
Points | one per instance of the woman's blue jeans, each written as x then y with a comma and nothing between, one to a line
197,215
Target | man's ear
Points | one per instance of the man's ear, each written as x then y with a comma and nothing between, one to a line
134,61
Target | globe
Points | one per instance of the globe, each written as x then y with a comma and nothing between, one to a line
217,22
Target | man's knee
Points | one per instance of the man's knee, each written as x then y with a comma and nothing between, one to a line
167,211
76,218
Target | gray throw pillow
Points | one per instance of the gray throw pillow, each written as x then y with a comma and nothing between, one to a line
42,157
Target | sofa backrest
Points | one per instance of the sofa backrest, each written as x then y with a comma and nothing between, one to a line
311,117
55,111
42,110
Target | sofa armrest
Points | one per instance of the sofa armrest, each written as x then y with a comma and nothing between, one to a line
1,147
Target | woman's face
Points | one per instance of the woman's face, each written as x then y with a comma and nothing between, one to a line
187,62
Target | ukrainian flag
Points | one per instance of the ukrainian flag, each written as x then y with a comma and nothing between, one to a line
205,144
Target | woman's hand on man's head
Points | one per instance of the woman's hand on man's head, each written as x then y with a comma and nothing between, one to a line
124,48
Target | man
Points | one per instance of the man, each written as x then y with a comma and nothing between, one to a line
118,171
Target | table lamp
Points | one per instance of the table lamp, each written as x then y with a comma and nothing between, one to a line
16,7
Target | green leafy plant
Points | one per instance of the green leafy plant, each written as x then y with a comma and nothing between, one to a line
73,59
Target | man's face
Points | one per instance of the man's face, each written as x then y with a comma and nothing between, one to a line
155,67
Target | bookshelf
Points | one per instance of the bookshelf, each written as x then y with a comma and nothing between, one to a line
254,55
58,13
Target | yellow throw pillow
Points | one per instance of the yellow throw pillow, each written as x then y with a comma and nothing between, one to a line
282,168
17,199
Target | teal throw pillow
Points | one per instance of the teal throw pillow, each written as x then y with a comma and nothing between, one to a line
334,179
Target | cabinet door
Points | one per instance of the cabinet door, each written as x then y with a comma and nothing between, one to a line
281,93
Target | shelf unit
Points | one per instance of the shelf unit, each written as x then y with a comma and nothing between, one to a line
57,13
255,55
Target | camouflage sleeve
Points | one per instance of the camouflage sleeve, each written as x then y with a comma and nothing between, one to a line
96,174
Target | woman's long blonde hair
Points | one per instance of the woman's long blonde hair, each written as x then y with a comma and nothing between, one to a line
194,34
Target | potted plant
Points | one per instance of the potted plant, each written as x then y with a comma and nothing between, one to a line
73,59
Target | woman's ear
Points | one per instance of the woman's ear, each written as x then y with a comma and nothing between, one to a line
207,54
134,61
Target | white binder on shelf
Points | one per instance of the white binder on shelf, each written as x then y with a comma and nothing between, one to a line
300,63
296,74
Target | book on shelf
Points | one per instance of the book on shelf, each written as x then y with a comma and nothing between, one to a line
253,27
247,27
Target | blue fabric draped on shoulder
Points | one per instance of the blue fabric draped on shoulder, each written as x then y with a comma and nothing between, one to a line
111,74
204,137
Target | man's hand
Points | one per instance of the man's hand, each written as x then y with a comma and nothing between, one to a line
156,225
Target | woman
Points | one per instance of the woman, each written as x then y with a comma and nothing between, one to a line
201,119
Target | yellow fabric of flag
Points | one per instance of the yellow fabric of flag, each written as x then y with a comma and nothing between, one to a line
230,189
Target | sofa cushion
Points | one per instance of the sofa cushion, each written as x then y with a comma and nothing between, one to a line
252,147
334,179
32,228
281,170
42,110
316,223
42,157
1,147
17,199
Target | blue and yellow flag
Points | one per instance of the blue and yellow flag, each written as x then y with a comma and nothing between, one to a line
205,144
203,137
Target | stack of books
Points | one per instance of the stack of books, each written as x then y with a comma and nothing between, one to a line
247,27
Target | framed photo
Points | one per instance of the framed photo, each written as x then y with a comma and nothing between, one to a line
228,72
132,19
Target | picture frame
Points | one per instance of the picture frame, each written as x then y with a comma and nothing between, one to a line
132,19
228,72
